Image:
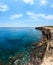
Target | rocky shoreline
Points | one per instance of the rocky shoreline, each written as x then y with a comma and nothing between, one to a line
37,54
47,37
42,52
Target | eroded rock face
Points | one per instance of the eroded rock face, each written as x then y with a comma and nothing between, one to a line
47,37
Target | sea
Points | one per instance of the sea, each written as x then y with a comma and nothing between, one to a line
14,40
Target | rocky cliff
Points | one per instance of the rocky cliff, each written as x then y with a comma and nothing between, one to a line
47,38
37,54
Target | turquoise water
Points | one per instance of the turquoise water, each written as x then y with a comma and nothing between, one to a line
15,39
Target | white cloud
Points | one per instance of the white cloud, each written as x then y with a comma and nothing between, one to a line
30,13
43,2
34,15
3,7
40,15
49,17
51,6
31,2
16,16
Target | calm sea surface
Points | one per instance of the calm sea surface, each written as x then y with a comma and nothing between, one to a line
14,40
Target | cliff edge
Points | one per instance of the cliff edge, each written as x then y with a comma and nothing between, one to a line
47,38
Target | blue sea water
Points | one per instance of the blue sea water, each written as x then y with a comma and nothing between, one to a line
13,42
17,38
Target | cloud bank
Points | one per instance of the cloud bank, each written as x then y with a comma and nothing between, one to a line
40,15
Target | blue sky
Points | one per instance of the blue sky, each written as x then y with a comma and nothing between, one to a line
26,13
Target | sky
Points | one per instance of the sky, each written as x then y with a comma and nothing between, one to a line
26,13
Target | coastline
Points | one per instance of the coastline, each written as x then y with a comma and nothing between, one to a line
47,37
40,53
